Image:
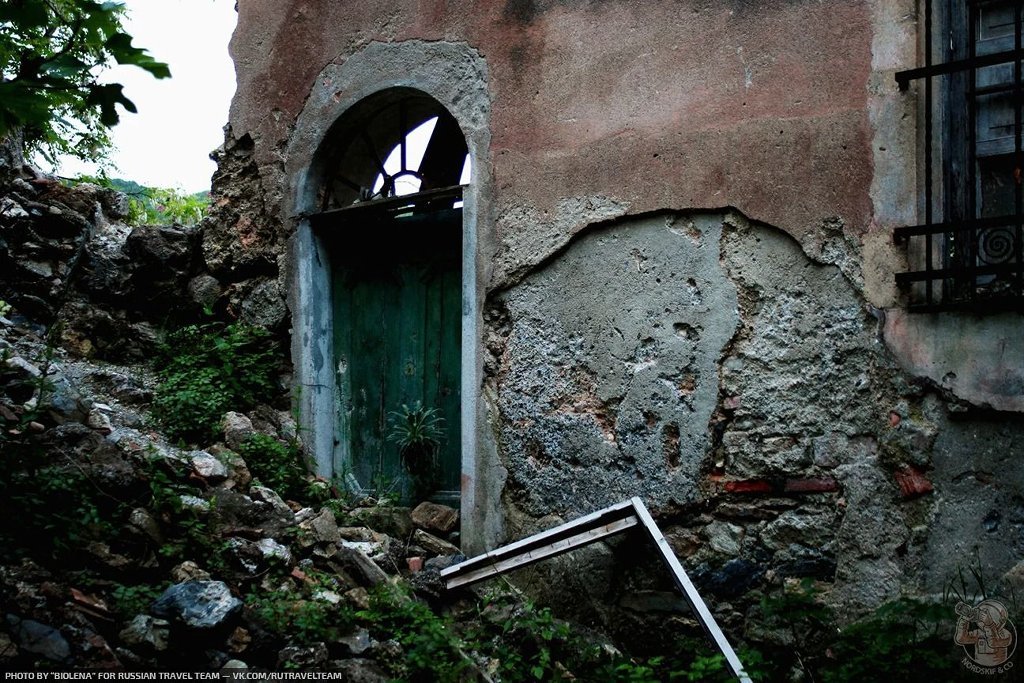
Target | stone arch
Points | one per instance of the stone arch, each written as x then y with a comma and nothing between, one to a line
455,77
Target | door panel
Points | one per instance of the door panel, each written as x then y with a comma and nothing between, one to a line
397,308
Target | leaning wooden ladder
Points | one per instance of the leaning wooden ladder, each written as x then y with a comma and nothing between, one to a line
584,531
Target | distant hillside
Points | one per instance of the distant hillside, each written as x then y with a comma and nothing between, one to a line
158,205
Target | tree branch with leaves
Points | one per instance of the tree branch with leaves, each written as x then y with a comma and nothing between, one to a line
52,53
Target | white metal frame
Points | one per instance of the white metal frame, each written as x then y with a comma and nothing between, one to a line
584,531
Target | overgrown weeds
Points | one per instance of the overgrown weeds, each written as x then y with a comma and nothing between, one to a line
276,465
207,371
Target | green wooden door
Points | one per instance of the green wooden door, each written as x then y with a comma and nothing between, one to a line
397,339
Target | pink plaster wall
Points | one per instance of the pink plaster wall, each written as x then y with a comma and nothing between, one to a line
761,105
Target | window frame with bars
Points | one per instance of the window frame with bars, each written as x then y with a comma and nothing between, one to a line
966,254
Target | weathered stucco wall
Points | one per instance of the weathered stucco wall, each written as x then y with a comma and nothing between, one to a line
604,108
684,288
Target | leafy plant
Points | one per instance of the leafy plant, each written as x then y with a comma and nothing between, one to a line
418,432
431,647
52,53
416,426
276,465
153,205
297,615
209,370
161,206
905,639
910,638
53,510
131,600
189,533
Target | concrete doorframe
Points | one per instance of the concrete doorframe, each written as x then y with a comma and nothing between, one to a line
455,76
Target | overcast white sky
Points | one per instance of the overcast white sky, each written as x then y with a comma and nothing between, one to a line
180,119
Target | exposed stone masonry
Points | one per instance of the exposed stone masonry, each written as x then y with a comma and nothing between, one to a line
705,362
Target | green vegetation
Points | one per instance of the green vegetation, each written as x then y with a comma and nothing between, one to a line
209,370
431,647
516,642
302,615
162,206
58,508
906,639
128,601
276,465
190,532
155,205
418,432
52,54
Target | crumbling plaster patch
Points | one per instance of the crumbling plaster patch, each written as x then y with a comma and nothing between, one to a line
670,353
612,353
608,372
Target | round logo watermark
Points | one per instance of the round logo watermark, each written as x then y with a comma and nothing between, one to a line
987,635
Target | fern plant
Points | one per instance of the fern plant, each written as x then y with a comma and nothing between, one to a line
418,432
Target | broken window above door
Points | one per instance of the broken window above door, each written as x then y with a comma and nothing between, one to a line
399,143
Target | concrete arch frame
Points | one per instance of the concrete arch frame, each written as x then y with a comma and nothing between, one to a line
455,75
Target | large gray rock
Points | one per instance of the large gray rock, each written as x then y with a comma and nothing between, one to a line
357,564
274,552
313,657
320,529
264,306
237,429
435,517
356,643
393,521
39,639
262,494
143,521
208,466
234,510
432,544
198,604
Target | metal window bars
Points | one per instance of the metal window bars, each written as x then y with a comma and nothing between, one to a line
967,254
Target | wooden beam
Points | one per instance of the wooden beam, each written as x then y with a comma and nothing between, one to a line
528,557
387,205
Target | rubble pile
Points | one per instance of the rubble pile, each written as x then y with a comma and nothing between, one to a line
124,550
158,547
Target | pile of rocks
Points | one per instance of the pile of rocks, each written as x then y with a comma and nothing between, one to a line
256,548
124,550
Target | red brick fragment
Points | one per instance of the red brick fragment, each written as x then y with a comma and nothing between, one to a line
415,564
749,486
812,485
913,482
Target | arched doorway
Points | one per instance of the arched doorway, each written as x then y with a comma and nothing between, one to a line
390,222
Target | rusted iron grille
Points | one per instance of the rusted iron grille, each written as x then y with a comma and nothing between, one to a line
967,253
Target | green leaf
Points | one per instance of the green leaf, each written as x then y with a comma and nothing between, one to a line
107,96
65,66
121,49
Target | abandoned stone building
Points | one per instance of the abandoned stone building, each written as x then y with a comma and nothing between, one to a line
757,262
